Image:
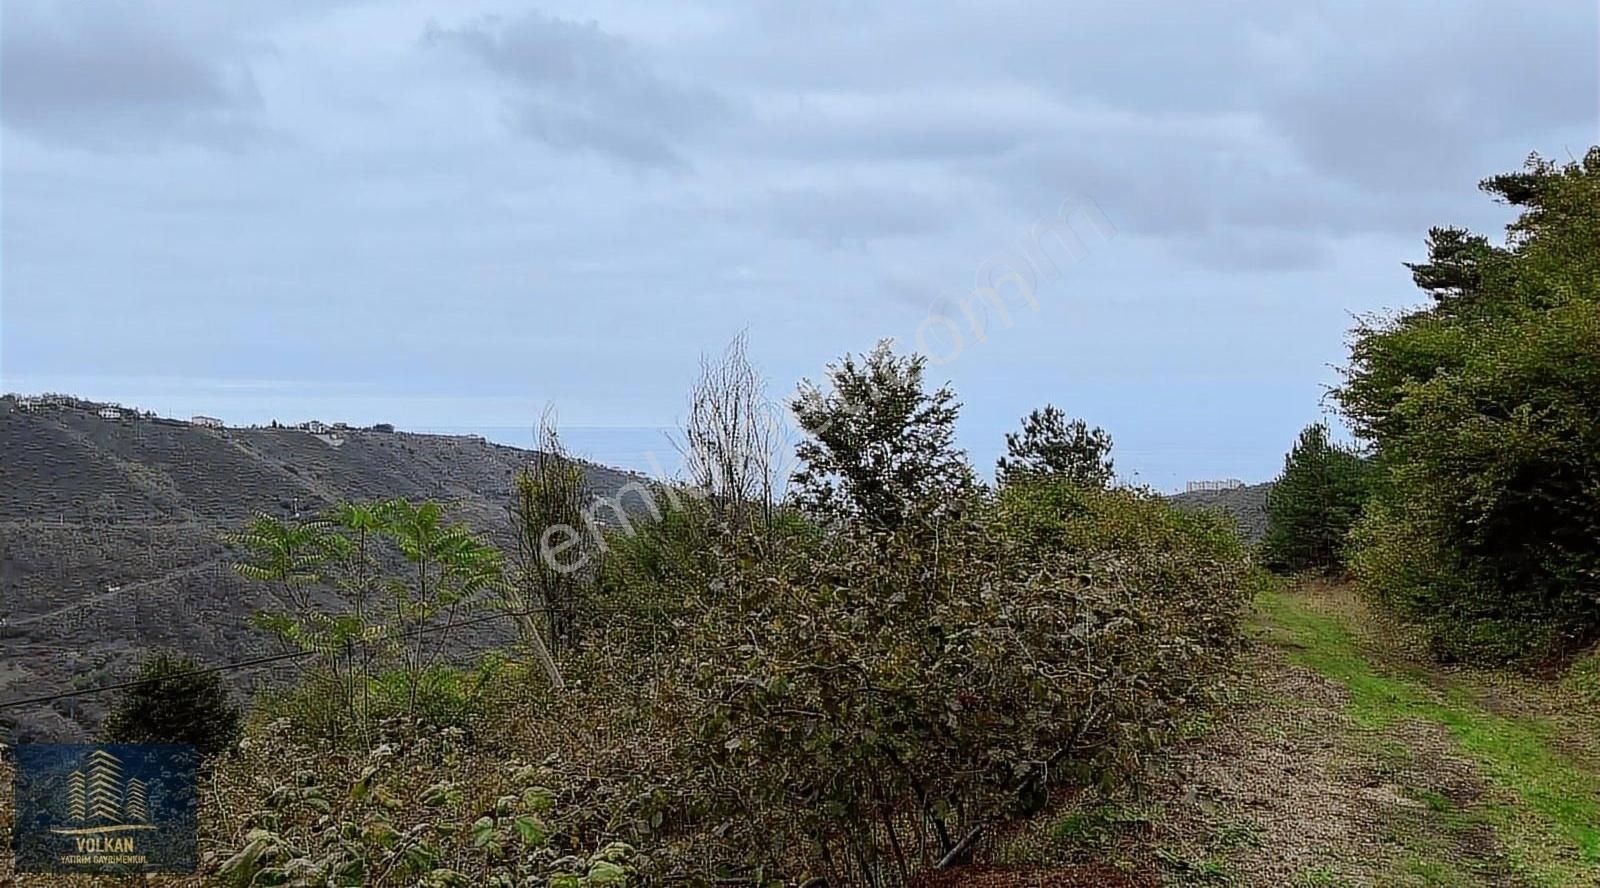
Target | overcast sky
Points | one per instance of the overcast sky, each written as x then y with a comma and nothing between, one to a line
446,214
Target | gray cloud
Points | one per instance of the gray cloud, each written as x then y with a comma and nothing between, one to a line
574,86
1394,97
1202,188
480,195
899,125
837,216
1235,250
111,77
1199,125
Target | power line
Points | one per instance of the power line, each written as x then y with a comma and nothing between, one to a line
244,664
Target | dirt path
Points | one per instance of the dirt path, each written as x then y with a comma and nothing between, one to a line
102,597
1342,761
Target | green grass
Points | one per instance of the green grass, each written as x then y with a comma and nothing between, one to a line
1095,825
1431,841
1554,806
1584,679
1194,870
1432,872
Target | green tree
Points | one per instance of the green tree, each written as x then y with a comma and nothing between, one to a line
1484,408
430,573
173,701
879,447
1052,447
1314,503
449,570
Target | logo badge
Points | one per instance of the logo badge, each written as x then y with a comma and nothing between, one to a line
116,808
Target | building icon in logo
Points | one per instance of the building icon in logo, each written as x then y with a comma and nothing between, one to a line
98,792
114,809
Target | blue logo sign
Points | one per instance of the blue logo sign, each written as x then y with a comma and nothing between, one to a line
117,808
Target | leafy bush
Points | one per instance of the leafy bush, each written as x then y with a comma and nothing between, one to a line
388,818
1484,408
173,702
1314,503
863,706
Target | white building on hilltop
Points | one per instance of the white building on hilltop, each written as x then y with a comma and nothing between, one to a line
40,402
110,413
209,422
1229,484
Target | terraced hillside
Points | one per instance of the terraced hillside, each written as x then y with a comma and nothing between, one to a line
109,535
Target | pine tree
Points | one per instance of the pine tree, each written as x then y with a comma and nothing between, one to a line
1050,446
879,449
173,702
1314,503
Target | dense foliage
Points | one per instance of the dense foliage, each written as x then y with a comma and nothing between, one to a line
1484,407
1051,446
856,689
863,705
1314,503
172,701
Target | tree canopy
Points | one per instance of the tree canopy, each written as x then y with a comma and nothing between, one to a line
1484,407
172,701
1053,447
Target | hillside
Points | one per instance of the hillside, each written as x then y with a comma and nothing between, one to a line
1247,505
109,535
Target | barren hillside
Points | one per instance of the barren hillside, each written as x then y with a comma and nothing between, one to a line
1247,505
109,535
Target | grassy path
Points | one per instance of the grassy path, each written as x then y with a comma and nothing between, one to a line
1346,760
1542,803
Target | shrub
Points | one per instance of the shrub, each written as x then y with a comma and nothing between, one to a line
445,697
394,816
862,706
549,577
173,702
1314,503
642,580
438,697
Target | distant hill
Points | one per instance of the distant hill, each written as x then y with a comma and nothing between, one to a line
109,534
1247,505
